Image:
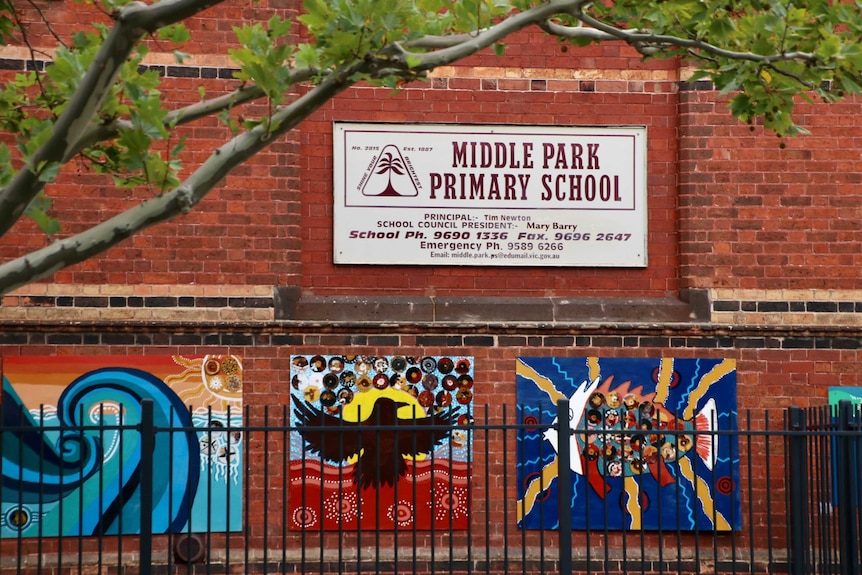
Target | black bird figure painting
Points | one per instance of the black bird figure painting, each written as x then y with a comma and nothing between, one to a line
379,453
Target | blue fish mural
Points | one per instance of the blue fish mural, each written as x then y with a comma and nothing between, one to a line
646,447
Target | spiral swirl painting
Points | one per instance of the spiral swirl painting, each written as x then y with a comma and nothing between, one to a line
71,449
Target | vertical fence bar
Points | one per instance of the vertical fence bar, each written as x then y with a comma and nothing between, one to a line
469,494
19,563
122,442
147,445
172,424
209,480
846,473
42,450
749,465
246,488
487,482
79,511
228,481
856,488
821,451
101,480
285,481
542,489
798,488
564,484
191,525
767,449
414,494
266,441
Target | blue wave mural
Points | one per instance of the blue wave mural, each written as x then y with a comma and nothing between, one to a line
74,467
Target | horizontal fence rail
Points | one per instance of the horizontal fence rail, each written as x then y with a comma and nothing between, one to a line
278,489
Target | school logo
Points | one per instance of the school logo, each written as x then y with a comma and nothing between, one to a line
392,175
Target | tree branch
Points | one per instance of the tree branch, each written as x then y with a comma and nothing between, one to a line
101,132
180,200
76,129
638,37
470,44
132,23
96,240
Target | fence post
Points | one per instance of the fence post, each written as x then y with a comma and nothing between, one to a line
846,475
797,476
146,486
564,485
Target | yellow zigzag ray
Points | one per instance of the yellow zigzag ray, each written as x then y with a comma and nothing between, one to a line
716,373
665,373
704,495
549,473
542,382
632,504
593,365
192,370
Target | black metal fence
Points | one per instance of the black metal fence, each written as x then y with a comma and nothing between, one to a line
824,489
793,479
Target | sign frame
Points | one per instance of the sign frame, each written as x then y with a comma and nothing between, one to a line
489,195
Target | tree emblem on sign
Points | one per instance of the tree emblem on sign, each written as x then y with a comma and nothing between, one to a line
387,165
398,181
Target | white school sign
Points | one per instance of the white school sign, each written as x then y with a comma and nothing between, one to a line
489,195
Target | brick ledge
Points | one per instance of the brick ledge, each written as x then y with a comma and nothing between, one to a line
291,304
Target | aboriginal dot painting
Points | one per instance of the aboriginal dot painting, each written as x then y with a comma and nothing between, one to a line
380,442
71,446
648,448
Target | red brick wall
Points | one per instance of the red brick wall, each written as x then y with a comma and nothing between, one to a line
756,215
252,230
729,209
558,89
752,215
243,233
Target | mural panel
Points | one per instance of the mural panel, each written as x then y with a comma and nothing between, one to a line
70,461
647,450
411,471
836,417
851,394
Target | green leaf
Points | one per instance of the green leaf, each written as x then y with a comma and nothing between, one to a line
849,84
317,15
38,212
6,171
135,142
740,106
177,149
48,172
6,27
722,28
307,57
278,27
176,33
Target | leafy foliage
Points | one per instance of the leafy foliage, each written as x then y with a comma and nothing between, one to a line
762,54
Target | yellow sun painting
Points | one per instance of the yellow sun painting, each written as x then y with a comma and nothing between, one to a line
209,381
